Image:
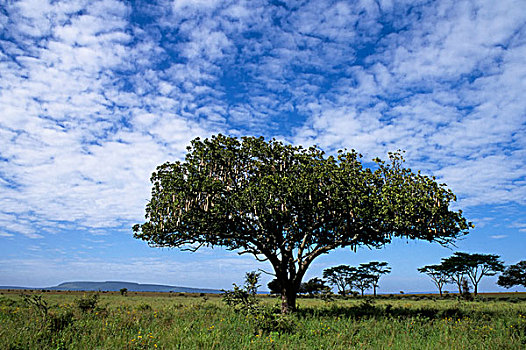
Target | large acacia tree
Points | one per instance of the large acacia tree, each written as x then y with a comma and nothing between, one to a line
288,205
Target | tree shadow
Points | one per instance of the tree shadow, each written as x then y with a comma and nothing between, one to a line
369,310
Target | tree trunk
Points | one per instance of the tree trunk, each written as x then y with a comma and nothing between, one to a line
374,291
440,291
459,285
288,299
475,289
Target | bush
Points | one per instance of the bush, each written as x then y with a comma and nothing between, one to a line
87,303
59,321
269,320
240,299
143,307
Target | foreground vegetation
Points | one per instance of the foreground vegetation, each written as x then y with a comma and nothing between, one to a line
177,321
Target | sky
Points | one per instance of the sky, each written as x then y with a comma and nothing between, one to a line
94,94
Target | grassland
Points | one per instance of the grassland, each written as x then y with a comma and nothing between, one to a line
173,321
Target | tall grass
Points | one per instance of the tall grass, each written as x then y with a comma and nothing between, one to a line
177,322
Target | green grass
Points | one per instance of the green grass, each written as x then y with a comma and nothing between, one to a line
178,322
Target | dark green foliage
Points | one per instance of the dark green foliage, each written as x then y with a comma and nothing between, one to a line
143,307
37,302
264,319
466,294
289,205
274,286
514,275
314,286
268,320
239,299
244,299
251,282
57,321
87,303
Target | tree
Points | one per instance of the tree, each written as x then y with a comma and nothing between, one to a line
438,273
455,267
475,266
274,286
514,275
288,205
375,269
124,291
251,282
339,276
313,286
360,279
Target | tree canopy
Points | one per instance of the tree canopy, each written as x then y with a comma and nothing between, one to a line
375,269
475,266
288,205
438,273
514,275
339,276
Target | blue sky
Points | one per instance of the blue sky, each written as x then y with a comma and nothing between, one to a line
95,94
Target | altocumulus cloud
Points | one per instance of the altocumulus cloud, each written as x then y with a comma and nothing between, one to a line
95,94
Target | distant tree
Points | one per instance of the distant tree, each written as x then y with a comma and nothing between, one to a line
474,266
313,286
514,275
274,286
361,279
455,267
124,291
339,276
251,282
375,269
466,294
438,273
288,205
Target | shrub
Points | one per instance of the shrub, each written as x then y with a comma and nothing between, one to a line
143,307
59,321
269,320
87,303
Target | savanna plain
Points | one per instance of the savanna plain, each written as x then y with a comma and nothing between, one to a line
76,320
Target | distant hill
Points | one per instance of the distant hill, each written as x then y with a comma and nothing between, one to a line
111,286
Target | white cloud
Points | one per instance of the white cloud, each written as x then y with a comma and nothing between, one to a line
92,101
78,148
498,236
459,110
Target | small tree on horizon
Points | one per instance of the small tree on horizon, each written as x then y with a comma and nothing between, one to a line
375,269
339,276
438,273
274,286
361,279
455,267
313,286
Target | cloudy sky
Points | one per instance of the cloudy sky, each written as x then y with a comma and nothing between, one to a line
95,94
